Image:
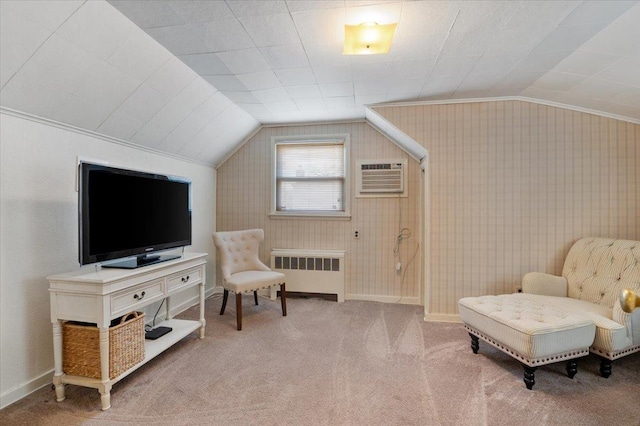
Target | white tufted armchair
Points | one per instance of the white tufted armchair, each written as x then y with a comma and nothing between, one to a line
242,270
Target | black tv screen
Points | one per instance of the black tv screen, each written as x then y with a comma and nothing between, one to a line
125,213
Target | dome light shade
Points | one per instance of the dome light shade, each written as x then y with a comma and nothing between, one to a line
368,38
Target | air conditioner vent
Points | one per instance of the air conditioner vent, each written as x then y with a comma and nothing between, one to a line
378,177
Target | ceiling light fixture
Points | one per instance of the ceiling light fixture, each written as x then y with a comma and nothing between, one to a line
368,38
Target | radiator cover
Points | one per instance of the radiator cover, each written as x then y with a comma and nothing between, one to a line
311,271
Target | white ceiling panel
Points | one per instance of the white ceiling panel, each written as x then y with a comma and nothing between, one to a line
206,64
172,77
140,56
107,86
271,95
332,90
597,12
226,82
50,14
278,30
244,8
244,61
19,39
259,80
310,103
295,76
60,64
429,17
80,113
625,71
320,26
334,74
288,56
180,39
197,11
149,14
143,103
147,71
223,35
120,126
26,95
304,92
321,54
98,28
561,81
567,37
583,62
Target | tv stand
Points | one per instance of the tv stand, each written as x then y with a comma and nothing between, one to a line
99,296
139,261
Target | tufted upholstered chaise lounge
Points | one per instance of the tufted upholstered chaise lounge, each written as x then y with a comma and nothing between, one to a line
550,320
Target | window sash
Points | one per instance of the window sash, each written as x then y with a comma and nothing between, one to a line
310,177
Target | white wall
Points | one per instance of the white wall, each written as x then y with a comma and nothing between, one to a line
38,233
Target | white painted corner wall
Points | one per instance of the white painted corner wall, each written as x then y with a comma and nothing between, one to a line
38,225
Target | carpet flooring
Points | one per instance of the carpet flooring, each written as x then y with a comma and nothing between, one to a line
351,363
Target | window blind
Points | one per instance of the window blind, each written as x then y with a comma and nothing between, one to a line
310,177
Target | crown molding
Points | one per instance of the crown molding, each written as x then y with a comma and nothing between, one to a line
509,98
90,133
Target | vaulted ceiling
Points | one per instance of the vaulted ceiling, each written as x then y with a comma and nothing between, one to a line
194,78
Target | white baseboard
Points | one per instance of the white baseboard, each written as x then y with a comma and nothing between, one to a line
384,299
25,389
442,318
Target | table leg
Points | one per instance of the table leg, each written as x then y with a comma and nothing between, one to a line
202,320
105,387
167,302
57,360
105,396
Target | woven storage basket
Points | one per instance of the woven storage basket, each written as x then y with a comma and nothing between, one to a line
81,347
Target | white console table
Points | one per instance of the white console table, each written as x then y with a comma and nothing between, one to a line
100,295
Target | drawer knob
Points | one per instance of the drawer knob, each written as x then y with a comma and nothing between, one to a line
185,279
140,296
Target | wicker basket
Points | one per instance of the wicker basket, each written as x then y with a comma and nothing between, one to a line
81,347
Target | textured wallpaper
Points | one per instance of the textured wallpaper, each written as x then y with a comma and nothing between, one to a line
512,185
243,201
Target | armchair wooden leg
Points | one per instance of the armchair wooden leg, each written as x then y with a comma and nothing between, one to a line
283,299
529,376
255,297
239,310
225,296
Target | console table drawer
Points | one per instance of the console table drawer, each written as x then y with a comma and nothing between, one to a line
190,277
132,298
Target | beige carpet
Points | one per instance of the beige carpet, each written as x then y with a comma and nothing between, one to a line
352,363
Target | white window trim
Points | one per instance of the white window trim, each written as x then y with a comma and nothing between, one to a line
343,138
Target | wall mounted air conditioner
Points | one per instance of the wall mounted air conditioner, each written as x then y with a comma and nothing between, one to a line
381,178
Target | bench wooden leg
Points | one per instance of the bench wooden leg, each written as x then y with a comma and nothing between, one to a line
475,344
255,297
529,376
572,368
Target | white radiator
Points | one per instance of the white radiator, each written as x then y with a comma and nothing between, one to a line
310,271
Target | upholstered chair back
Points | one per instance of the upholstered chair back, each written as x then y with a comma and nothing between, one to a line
598,269
239,251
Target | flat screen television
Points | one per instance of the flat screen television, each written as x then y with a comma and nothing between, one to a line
126,213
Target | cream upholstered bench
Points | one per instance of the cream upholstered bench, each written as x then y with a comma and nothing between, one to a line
546,322
530,331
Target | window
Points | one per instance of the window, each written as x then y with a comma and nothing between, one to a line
310,177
